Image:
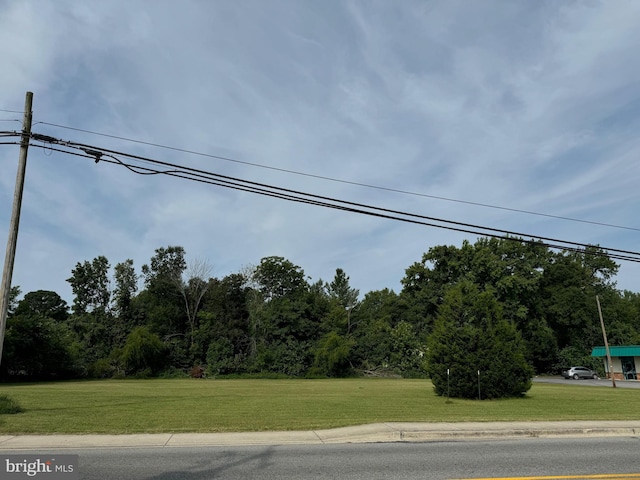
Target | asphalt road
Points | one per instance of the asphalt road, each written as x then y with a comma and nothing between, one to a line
411,461
600,382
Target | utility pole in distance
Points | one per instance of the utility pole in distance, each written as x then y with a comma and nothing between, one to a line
606,344
10,256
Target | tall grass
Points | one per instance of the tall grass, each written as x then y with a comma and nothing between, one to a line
196,405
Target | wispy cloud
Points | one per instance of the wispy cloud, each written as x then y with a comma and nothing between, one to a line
530,105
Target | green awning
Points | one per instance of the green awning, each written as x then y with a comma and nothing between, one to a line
622,351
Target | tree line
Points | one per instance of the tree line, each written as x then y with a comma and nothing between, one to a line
494,304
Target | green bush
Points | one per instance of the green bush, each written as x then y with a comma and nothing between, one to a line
102,368
9,405
220,358
143,353
471,336
291,358
406,351
332,356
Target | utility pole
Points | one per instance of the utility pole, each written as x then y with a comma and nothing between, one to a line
10,256
606,344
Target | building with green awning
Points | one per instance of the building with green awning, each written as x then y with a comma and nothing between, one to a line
624,358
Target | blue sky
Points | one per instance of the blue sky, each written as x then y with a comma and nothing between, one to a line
527,105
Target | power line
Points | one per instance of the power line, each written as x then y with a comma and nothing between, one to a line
198,171
9,134
348,182
10,111
99,154
284,196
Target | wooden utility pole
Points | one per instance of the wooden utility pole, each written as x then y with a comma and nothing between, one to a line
10,256
606,344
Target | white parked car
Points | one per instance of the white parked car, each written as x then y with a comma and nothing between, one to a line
579,372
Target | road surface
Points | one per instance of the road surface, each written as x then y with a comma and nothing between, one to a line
533,457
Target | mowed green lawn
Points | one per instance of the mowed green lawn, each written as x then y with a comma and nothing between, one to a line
194,405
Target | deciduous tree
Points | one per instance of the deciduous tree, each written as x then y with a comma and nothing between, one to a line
43,304
90,284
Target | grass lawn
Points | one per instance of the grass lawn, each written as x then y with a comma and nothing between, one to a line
195,405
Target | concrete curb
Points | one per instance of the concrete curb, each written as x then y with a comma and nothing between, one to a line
372,433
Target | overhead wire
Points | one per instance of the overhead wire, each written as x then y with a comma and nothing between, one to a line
349,182
199,171
284,196
108,155
9,134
